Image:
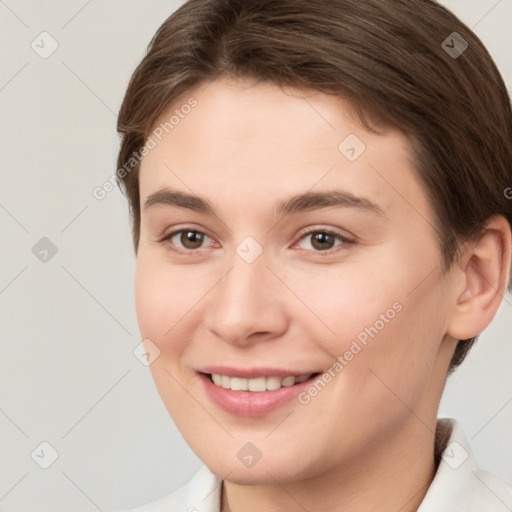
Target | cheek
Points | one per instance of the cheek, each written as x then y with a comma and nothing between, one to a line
149,292
160,303
400,346
340,304
378,323
163,297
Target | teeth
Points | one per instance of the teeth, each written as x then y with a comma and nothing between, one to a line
225,382
238,384
258,384
288,381
299,380
273,383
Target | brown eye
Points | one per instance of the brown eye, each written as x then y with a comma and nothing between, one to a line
322,241
185,240
191,239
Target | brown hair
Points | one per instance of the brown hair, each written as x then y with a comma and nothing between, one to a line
398,59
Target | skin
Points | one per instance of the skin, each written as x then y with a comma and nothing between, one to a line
366,441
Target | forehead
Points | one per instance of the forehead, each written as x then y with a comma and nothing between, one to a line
251,140
242,108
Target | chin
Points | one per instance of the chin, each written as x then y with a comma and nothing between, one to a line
263,472
250,476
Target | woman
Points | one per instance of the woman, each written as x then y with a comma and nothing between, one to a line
307,377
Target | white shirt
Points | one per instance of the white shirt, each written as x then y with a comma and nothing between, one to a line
459,484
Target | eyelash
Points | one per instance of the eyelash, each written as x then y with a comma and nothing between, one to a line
345,241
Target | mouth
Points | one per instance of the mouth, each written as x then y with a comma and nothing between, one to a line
257,394
258,384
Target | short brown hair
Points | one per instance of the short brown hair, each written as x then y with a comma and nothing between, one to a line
405,61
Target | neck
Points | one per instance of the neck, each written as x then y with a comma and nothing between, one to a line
391,478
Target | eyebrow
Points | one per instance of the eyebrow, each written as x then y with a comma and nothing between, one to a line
305,202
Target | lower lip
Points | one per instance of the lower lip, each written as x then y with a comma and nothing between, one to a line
252,403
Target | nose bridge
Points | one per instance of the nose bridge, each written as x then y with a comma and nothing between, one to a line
245,299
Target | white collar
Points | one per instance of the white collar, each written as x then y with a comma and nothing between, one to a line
459,484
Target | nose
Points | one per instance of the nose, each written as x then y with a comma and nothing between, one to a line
248,304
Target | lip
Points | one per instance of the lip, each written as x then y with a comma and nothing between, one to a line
250,403
252,373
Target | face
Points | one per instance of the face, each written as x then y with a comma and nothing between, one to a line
310,254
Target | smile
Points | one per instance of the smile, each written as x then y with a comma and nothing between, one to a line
255,392
258,384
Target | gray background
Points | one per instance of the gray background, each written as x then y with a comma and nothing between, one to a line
68,325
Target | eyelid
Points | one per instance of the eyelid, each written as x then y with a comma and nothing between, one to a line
323,229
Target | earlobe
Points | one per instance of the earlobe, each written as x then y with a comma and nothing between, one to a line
485,271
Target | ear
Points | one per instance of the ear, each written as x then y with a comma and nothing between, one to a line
483,269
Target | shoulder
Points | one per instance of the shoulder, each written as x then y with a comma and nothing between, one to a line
460,484
200,494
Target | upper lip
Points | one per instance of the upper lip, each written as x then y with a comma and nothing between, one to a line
251,373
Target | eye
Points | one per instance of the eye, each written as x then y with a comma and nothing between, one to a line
323,240
189,239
